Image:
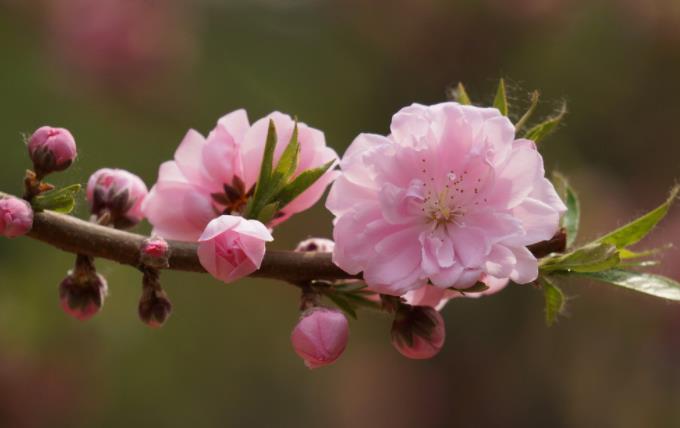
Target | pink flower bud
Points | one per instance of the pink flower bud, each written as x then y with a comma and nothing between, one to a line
317,245
82,297
320,337
418,332
232,247
155,253
16,217
118,193
154,307
51,149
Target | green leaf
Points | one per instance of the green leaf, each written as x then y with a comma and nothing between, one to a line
263,181
540,131
342,303
460,95
571,219
301,183
627,254
554,300
593,257
530,111
654,285
639,228
268,212
288,162
351,287
478,287
59,200
501,100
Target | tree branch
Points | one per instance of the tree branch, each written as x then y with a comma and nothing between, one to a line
77,236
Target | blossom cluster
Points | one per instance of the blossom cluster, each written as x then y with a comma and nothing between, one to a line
444,206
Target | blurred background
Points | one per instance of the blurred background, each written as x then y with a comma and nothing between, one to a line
129,77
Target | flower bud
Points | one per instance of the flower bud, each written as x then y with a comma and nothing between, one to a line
317,245
155,253
320,337
82,296
418,332
51,150
154,306
232,247
16,217
117,193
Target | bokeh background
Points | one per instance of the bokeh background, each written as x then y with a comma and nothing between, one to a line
129,77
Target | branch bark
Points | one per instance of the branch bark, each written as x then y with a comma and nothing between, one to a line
77,236
73,235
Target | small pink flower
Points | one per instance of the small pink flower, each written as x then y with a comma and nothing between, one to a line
216,175
83,297
155,252
320,337
418,332
118,193
16,217
316,245
449,198
232,247
51,149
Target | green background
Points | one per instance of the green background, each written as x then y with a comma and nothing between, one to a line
343,66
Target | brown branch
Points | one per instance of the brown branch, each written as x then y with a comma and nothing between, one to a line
73,235
77,236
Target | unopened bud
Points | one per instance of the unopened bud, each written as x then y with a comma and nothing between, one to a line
16,217
82,296
320,337
155,253
317,245
51,150
418,332
118,194
154,307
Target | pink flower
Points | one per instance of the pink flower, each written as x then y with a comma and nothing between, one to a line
51,149
320,337
118,193
449,198
16,217
216,175
232,247
418,332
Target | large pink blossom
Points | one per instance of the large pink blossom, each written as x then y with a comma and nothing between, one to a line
215,175
448,199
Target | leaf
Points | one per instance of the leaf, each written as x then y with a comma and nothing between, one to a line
265,172
60,200
350,287
571,219
540,131
301,183
530,111
460,95
288,162
639,228
654,285
554,301
501,100
593,257
342,303
478,287
268,212
627,254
